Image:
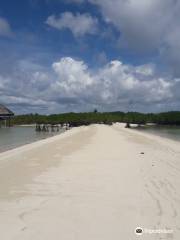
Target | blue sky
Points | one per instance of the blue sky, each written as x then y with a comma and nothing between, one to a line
34,36
77,55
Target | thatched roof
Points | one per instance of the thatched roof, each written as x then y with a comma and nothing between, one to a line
5,111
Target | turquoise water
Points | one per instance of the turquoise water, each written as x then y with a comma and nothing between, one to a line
18,136
172,132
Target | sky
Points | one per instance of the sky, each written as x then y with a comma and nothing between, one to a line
77,55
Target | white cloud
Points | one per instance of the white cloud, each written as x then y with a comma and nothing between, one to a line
143,24
78,24
69,85
147,27
5,29
73,74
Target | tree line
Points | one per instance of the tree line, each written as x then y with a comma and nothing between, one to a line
78,119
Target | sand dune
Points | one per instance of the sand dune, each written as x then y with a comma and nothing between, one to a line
91,183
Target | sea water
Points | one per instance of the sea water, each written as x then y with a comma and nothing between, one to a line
172,132
17,136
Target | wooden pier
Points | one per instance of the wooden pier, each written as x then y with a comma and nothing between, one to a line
42,127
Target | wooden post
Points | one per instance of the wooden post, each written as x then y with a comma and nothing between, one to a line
9,122
57,127
128,125
52,128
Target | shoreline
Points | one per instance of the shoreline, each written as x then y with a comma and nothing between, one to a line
122,125
20,144
94,182
37,143
150,135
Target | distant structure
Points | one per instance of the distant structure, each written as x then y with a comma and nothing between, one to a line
5,115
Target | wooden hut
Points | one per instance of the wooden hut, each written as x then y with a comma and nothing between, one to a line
5,115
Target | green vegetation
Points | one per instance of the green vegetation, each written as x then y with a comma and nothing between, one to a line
78,119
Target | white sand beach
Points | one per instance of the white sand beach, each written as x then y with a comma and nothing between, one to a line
91,183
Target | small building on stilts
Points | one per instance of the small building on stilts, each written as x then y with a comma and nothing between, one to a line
5,116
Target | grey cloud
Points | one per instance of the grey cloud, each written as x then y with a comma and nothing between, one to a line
139,21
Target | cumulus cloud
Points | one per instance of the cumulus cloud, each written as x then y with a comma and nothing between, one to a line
69,85
5,29
78,24
148,27
143,24
73,75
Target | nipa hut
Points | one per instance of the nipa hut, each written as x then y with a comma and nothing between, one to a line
5,115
